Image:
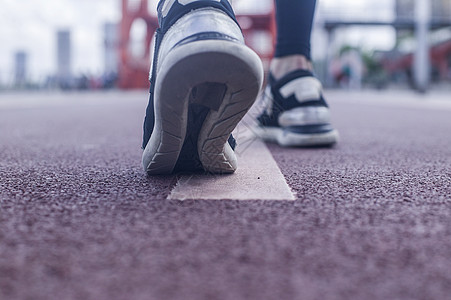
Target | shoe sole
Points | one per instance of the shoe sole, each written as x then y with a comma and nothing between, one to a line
290,139
223,76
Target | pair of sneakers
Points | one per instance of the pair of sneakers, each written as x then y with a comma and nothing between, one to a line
204,79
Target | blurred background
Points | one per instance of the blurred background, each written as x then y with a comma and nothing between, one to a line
107,44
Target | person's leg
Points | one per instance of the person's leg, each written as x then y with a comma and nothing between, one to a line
294,27
203,80
296,113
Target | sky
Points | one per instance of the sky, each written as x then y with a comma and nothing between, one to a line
31,25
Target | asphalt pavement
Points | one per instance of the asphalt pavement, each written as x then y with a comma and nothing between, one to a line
79,219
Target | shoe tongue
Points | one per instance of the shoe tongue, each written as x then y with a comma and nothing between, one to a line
288,77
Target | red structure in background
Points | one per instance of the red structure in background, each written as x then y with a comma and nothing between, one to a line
264,24
134,71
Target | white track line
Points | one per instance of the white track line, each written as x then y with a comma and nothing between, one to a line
257,178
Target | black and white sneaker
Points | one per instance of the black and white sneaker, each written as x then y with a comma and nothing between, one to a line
296,114
203,81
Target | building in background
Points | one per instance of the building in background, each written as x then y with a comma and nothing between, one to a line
20,68
111,50
440,9
64,58
111,55
438,39
405,12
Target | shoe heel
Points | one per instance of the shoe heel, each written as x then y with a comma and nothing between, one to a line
224,77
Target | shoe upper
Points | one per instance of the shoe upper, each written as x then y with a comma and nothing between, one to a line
169,13
294,100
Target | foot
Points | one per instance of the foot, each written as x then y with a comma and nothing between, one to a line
296,114
203,81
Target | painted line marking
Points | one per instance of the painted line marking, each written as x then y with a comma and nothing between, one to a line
258,177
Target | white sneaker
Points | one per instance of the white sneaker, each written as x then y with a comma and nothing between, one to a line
203,81
296,114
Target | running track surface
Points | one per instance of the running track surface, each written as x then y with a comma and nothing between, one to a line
80,220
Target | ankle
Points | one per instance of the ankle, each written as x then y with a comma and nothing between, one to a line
280,66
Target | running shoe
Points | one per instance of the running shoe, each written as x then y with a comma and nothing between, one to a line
203,80
295,112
